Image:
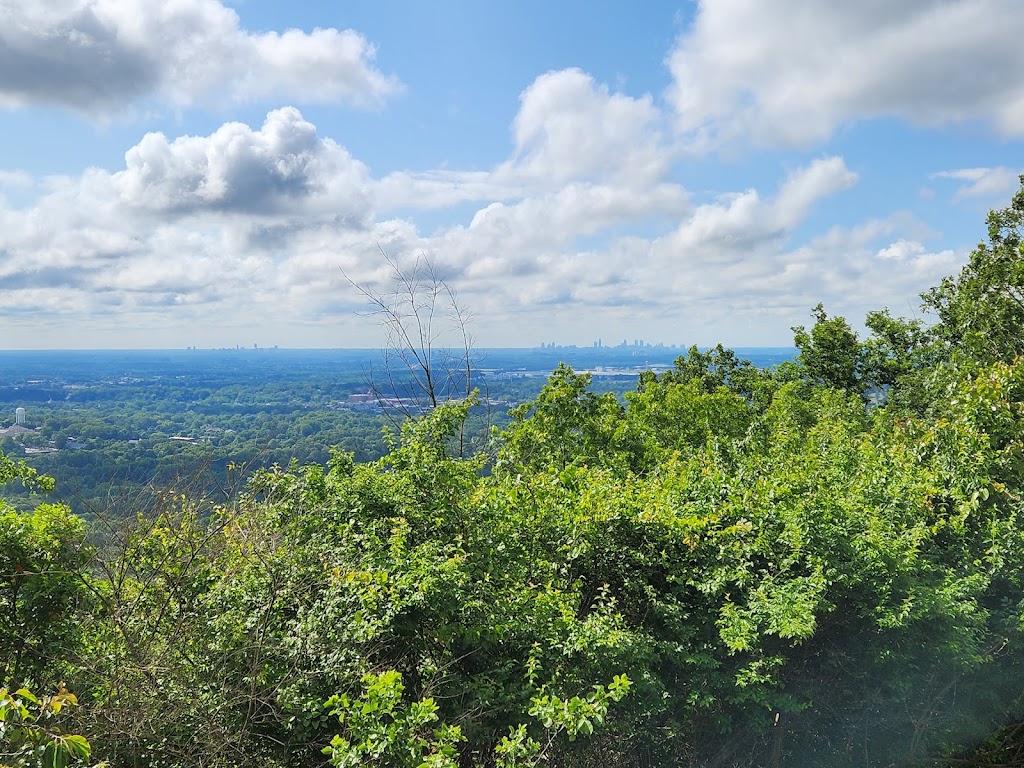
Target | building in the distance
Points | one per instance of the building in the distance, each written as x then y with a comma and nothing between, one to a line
18,428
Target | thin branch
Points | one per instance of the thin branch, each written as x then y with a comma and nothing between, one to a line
418,370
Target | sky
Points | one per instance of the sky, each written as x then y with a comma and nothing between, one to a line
221,172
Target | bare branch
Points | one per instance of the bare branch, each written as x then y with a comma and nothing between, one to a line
427,358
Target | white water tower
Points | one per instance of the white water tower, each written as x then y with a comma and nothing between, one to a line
19,415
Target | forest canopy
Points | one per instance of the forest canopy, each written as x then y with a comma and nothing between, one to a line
818,564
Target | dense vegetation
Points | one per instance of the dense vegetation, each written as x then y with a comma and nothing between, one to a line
110,427
109,431
819,564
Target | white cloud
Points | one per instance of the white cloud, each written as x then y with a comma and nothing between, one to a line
856,269
253,227
570,128
987,183
575,210
441,189
282,167
726,230
94,55
722,265
15,179
792,71
197,230
807,185
901,250
733,264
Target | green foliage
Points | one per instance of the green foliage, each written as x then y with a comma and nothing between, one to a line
42,557
566,425
380,731
981,310
817,565
831,353
578,715
689,407
31,733
896,349
575,717
11,470
712,370
743,558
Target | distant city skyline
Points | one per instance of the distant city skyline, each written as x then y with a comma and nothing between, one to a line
209,172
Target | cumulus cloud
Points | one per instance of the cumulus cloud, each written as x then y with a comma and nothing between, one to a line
570,128
807,185
706,268
724,231
875,264
986,183
791,72
284,166
258,228
512,257
192,230
93,55
736,263
15,179
574,211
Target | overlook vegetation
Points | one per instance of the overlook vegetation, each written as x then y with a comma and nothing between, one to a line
110,427
816,565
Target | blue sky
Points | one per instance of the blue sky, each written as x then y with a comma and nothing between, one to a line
210,173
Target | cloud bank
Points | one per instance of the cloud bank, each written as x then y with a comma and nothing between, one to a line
588,226
789,73
96,55
255,225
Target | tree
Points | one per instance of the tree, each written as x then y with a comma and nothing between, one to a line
566,424
31,732
902,360
11,470
718,367
427,354
981,310
831,353
42,559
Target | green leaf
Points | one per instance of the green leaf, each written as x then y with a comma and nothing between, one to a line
78,746
55,756
26,694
